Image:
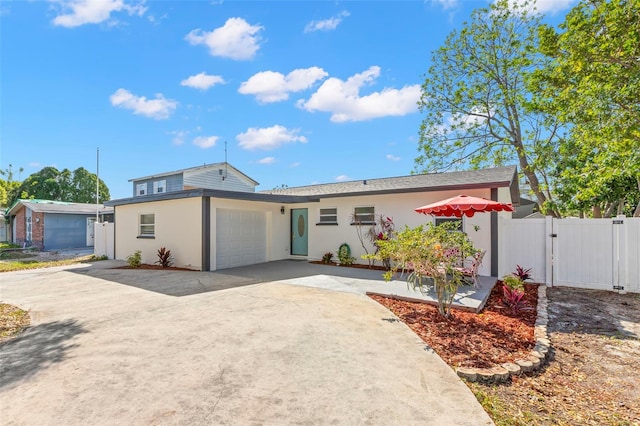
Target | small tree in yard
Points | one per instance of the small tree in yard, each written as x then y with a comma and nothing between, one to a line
424,252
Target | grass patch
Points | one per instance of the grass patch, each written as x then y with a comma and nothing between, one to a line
12,321
6,245
19,265
501,412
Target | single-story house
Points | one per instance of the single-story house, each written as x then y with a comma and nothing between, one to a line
54,225
525,209
215,228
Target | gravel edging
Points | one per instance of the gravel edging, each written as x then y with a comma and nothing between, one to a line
533,362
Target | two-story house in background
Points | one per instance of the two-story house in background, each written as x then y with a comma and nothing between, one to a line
220,176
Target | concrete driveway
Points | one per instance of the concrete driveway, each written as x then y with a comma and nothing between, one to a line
110,346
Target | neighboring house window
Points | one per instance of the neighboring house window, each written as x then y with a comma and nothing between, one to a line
364,215
29,235
328,216
441,220
141,189
147,225
159,186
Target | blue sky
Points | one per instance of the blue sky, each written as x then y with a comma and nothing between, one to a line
302,92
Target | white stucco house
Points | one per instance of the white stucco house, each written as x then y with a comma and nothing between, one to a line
211,218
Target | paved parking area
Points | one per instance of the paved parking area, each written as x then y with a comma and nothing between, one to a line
112,346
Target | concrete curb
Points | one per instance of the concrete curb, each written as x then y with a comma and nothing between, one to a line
533,362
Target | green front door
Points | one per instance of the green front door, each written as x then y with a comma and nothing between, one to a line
299,232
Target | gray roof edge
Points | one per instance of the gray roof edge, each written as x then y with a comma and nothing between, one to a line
41,207
497,184
232,195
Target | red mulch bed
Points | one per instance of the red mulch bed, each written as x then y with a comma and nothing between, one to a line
158,267
492,337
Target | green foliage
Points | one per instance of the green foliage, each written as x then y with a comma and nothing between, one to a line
95,258
476,101
344,255
513,282
592,83
423,253
9,187
135,260
165,258
78,186
326,258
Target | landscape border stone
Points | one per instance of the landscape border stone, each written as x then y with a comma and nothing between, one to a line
536,359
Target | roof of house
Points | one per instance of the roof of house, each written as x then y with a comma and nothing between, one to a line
469,179
203,167
48,206
487,178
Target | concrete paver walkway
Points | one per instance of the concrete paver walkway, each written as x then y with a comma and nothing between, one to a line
111,346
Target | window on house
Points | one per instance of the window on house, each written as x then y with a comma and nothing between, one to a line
147,225
159,186
364,215
441,220
328,216
141,189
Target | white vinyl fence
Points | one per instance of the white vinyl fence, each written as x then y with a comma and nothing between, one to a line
600,254
104,239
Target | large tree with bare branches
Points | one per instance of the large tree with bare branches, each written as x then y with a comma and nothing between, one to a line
476,100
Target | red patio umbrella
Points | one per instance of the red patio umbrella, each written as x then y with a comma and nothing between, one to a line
464,205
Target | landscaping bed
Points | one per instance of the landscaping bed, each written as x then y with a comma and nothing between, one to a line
591,376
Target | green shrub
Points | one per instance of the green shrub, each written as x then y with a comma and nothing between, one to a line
423,252
135,259
344,255
513,282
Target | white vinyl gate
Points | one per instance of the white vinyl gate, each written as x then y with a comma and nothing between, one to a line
588,253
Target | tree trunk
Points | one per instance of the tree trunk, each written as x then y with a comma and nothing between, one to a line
597,213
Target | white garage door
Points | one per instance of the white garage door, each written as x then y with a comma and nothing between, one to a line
241,238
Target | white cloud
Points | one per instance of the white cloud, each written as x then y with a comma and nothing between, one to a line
179,136
236,39
80,12
267,160
445,4
295,164
326,24
391,157
206,141
34,164
159,108
268,138
270,86
545,6
342,98
342,178
202,81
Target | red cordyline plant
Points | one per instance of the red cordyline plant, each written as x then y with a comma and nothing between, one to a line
522,274
513,298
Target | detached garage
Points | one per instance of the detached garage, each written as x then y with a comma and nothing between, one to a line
54,225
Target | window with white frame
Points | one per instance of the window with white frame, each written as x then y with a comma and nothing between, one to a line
147,225
159,186
328,216
141,189
364,215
